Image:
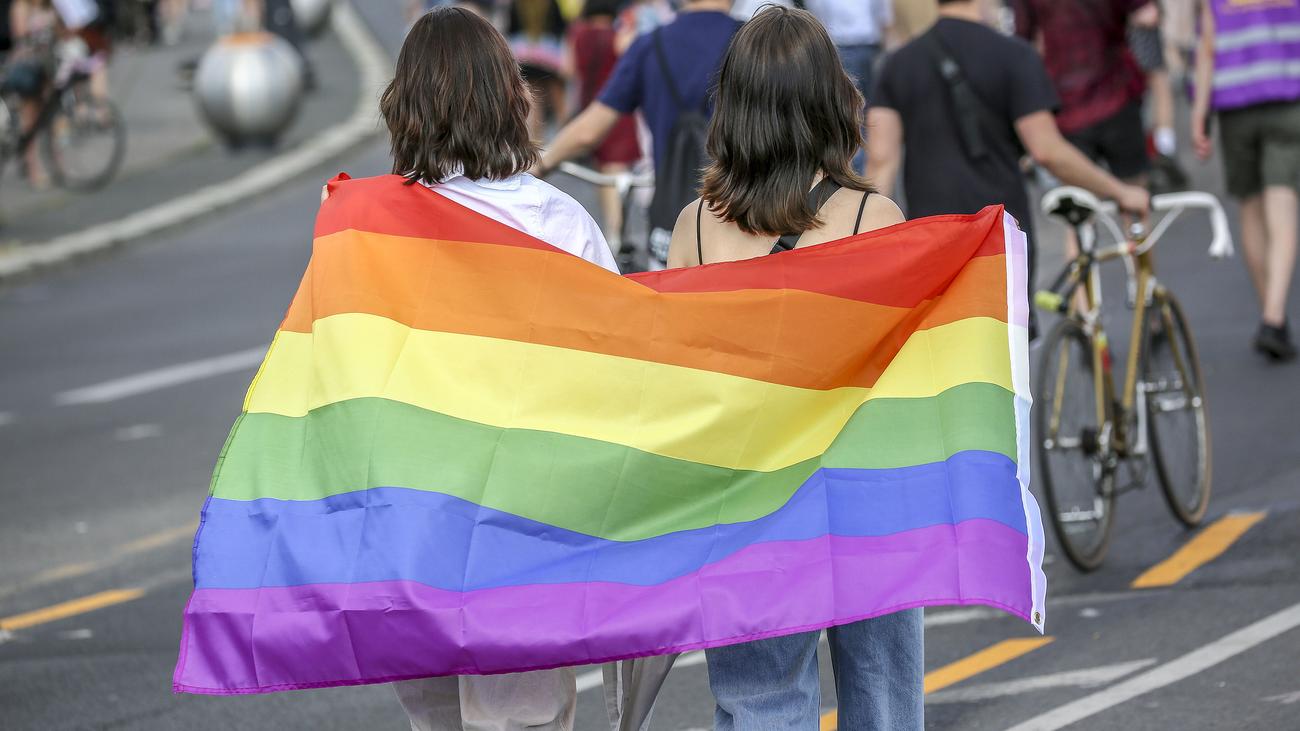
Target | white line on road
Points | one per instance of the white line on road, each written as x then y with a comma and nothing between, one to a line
1186,666
7,418
959,616
593,679
1088,678
154,380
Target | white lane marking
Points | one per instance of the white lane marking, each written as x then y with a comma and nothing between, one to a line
7,418
375,67
1285,699
137,432
1198,660
1088,678
959,616
154,380
593,679
941,618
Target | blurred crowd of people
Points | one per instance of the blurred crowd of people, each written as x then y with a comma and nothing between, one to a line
1077,91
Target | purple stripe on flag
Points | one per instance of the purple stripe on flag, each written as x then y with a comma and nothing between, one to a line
239,641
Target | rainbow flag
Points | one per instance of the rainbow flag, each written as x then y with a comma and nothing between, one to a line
468,452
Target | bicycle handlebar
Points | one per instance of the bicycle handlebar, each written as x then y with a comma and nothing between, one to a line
618,181
1066,200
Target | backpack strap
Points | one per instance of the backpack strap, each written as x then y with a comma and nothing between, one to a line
967,105
817,198
662,56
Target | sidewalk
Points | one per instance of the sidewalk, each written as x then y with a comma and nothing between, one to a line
169,149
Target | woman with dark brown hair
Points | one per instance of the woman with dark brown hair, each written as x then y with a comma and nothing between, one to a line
457,111
786,124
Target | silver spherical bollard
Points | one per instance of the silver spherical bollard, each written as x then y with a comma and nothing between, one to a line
312,15
248,87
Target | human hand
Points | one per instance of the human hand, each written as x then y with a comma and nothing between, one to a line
1201,141
1134,200
1147,16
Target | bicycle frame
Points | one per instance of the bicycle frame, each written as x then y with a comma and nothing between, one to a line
1143,288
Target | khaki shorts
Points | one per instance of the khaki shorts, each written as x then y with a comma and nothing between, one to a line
1261,147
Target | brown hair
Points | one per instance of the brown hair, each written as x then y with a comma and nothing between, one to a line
784,108
457,102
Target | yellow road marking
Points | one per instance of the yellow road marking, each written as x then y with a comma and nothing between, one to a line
70,608
1208,545
969,666
986,659
71,570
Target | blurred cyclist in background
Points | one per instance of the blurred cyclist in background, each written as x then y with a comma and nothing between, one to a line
1248,72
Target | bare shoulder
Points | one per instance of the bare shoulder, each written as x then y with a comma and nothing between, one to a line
681,249
881,211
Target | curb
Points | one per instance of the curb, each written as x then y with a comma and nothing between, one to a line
374,64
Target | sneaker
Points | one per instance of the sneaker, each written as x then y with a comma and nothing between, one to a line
1275,342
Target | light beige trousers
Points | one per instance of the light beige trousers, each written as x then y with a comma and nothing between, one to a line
544,700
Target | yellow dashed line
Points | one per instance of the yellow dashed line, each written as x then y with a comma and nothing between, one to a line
1208,545
70,608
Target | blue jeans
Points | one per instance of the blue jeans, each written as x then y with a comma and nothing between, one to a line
773,685
860,62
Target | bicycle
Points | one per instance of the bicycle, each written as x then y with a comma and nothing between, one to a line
630,255
1086,430
83,137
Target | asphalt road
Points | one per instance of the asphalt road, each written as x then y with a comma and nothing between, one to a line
99,490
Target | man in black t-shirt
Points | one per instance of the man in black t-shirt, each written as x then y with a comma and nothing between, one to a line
1013,103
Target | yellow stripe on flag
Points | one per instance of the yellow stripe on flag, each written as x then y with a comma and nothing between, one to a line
696,415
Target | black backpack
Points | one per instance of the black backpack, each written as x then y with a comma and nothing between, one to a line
677,180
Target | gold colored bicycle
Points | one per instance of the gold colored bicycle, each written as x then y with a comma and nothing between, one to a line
1098,436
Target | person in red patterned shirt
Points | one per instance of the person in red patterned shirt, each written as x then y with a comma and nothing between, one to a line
1085,46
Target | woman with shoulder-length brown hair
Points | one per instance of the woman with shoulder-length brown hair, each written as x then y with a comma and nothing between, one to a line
457,112
786,124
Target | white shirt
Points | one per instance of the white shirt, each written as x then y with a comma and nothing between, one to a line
535,207
854,22
77,14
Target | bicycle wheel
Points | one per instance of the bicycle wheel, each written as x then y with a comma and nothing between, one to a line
1075,467
84,143
1178,425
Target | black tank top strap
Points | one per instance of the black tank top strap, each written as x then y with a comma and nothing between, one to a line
857,225
817,197
699,240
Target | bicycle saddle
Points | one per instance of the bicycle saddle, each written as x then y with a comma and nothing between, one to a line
1075,205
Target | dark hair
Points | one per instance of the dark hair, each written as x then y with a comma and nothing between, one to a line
596,8
783,109
457,102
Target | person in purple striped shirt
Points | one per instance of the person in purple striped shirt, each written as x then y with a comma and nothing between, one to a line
1248,73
